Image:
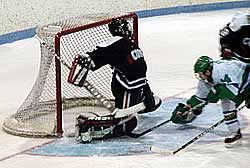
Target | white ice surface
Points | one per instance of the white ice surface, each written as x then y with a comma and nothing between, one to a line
171,44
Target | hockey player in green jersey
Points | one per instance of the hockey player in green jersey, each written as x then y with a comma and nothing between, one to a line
225,80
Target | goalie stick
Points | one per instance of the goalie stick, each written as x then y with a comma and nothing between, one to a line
118,113
137,135
169,152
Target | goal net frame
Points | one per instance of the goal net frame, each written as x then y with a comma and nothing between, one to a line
51,43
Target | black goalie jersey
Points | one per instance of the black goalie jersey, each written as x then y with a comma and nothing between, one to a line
236,36
125,57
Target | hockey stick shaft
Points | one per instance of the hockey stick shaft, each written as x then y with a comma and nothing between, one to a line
169,152
137,135
163,151
198,136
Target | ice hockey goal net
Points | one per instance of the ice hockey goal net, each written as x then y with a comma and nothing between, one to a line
44,112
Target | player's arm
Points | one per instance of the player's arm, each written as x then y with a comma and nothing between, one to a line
100,56
111,52
226,41
185,113
223,91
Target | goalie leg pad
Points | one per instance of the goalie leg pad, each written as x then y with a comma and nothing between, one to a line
90,126
79,70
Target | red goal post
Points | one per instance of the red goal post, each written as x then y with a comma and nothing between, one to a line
47,110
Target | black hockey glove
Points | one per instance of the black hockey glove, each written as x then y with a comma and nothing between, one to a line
149,100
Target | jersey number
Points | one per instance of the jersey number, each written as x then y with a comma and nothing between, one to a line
226,79
246,41
136,54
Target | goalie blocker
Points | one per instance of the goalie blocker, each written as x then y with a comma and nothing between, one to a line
79,69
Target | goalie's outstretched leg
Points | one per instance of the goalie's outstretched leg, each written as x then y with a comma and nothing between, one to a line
93,126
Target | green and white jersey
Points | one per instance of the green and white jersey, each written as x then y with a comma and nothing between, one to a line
229,79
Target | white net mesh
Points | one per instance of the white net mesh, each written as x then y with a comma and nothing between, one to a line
41,113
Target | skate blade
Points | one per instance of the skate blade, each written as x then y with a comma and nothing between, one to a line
234,144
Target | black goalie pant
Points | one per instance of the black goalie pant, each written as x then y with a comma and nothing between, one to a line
125,98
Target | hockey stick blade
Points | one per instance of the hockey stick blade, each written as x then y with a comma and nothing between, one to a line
162,151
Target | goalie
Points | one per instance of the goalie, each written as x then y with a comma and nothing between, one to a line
129,83
225,80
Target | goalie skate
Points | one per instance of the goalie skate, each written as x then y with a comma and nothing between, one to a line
79,70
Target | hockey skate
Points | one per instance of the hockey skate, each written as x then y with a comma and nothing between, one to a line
234,140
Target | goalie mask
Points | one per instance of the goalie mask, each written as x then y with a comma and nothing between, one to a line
120,27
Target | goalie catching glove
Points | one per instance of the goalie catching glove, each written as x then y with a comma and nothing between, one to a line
79,69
